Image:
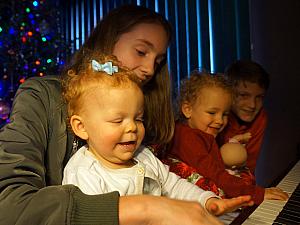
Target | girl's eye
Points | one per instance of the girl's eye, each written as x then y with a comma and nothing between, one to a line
141,119
140,53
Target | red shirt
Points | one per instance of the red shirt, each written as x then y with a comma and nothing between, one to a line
200,151
256,128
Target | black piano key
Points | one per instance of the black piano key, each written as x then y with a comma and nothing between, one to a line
290,214
292,206
285,221
285,218
295,197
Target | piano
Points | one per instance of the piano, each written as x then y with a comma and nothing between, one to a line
276,212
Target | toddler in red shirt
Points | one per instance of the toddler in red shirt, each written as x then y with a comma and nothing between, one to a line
204,104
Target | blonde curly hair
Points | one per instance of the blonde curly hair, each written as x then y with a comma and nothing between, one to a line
76,85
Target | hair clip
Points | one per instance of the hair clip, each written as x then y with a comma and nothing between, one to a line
106,67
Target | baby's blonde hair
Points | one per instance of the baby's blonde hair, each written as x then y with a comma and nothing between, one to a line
77,85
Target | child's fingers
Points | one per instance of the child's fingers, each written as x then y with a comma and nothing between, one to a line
213,209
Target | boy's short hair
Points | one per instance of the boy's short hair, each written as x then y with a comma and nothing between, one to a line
247,70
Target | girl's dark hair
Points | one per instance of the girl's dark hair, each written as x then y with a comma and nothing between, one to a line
117,22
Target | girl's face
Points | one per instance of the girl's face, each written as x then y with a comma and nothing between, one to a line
210,111
142,49
112,120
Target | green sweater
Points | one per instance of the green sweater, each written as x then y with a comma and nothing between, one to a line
34,148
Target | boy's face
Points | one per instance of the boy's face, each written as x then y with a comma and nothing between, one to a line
248,100
113,121
210,111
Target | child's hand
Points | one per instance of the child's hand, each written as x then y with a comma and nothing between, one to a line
218,207
242,138
276,194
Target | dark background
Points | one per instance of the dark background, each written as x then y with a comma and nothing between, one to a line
275,41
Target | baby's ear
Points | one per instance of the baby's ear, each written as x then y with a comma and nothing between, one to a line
78,127
186,109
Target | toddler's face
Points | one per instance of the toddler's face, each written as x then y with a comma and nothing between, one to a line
248,100
210,111
113,120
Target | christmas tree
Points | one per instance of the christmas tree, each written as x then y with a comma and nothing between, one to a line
31,44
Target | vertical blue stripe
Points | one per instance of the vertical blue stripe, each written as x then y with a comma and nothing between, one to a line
187,37
177,44
67,31
82,23
94,13
199,39
101,9
211,37
138,2
77,24
168,51
72,29
88,18
156,6
237,30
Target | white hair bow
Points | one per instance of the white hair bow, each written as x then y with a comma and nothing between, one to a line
106,67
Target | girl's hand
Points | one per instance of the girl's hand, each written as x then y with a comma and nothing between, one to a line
276,194
218,207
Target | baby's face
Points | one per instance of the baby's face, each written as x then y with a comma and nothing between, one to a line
210,111
113,120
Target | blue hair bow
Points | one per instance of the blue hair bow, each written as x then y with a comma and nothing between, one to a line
106,67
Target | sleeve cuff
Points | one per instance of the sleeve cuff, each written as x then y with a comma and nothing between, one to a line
94,209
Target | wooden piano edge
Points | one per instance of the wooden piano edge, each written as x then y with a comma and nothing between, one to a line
246,212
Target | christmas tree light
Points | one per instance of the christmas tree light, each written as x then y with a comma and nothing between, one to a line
30,37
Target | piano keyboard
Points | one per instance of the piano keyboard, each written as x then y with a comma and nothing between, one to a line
280,212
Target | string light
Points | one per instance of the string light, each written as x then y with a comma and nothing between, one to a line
35,3
22,80
30,39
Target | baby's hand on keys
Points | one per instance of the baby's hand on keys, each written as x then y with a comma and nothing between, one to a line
154,210
275,193
218,206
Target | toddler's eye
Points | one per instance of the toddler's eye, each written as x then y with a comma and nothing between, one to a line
211,113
